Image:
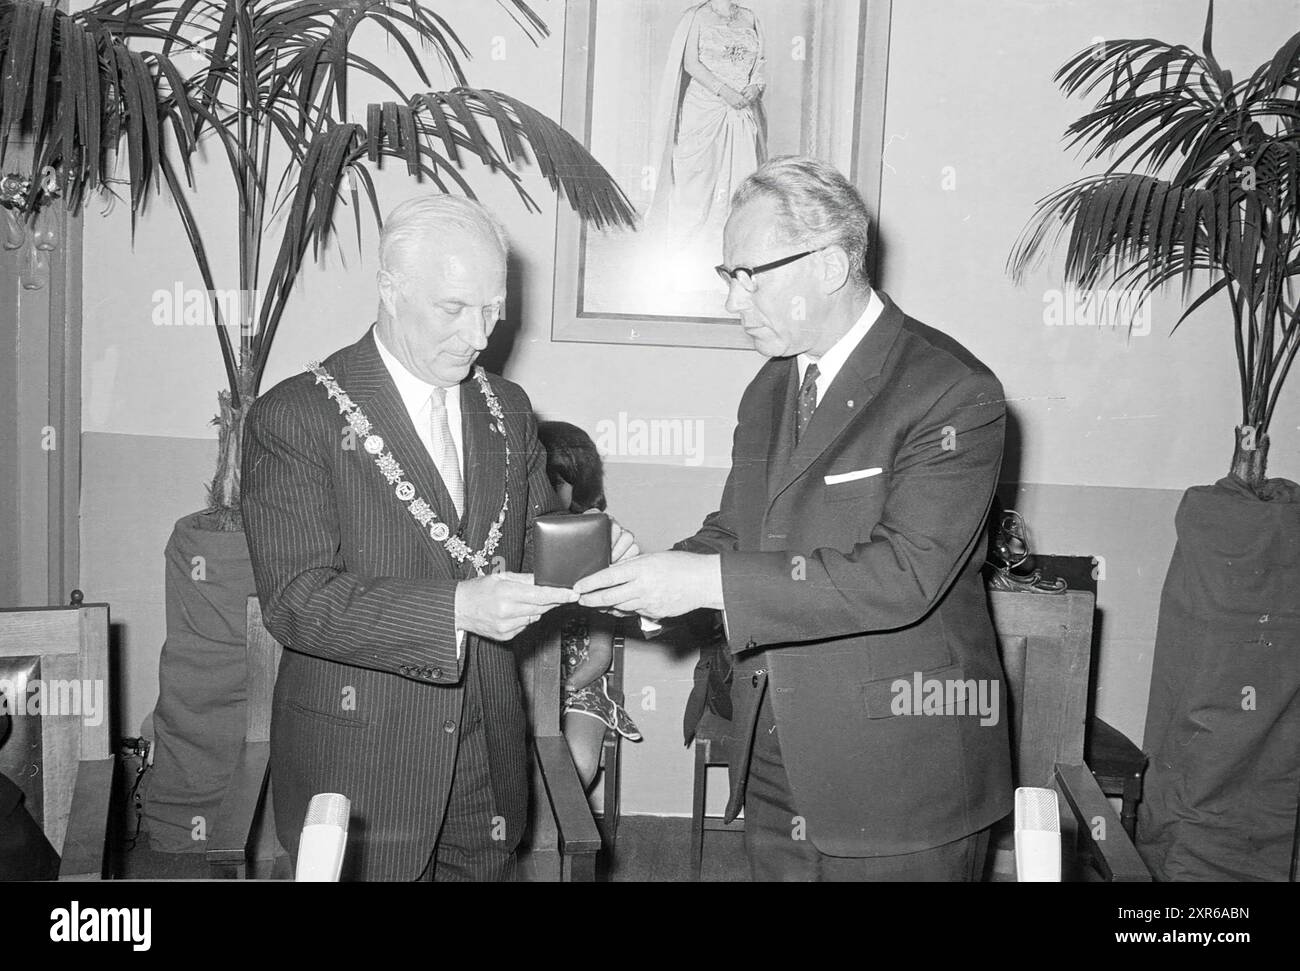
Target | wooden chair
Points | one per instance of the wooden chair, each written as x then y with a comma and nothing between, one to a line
63,762
563,838
712,745
1045,642
1046,646
1117,764
610,751
242,842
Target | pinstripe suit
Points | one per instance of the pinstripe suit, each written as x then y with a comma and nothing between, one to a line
369,696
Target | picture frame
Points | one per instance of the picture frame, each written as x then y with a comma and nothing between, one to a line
829,101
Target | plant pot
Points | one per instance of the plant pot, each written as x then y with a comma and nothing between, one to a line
1223,719
199,720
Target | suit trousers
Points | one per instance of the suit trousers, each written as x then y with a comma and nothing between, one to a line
470,844
779,847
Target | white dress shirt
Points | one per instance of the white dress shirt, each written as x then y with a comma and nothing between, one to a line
829,364
416,394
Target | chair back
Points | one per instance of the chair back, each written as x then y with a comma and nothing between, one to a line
263,665
541,674
243,835
54,678
1045,641
562,838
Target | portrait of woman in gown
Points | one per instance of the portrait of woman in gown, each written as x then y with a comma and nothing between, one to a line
683,100
709,130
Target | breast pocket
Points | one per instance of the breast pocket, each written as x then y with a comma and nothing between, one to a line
856,489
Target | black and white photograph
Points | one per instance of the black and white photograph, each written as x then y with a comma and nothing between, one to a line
722,99
649,442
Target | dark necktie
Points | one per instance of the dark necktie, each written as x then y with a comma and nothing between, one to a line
807,402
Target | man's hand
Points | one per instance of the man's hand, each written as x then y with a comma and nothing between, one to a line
500,605
622,542
656,585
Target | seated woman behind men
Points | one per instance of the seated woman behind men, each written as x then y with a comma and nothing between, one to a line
587,637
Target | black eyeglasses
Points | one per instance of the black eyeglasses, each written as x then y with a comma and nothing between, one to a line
744,275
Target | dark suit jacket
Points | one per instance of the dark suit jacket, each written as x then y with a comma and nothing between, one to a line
369,693
833,592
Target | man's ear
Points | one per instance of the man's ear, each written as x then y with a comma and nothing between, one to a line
388,290
835,264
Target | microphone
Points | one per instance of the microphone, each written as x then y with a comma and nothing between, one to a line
324,838
1038,836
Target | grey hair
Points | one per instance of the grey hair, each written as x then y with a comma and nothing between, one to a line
432,216
816,205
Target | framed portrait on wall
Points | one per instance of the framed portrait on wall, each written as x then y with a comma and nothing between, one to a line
681,101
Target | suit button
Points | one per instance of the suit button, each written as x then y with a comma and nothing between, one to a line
436,674
752,643
405,669
449,726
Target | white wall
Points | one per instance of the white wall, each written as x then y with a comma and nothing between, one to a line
970,87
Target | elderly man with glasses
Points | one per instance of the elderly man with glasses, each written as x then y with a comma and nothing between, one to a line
868,702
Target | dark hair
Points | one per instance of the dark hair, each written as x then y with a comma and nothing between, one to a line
571,456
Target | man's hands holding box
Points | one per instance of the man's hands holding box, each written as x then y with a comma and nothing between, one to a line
500,605
656,585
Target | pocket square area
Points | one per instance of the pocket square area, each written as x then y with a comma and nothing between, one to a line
851,476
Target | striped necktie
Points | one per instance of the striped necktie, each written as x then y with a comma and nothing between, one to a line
444,449
807,401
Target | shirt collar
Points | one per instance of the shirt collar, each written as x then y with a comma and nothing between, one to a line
829,364
414,391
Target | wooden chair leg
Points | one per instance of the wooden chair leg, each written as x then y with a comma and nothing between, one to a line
699,791
1129,803
609,795
613,796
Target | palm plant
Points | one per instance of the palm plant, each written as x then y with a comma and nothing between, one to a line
266,82
1215,205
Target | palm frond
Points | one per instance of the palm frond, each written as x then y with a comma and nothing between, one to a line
270,80
1215,205
73,90
448,123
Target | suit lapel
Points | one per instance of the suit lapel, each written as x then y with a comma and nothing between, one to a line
850,392
371,388
485,464
781,440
